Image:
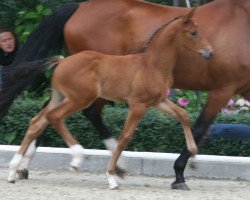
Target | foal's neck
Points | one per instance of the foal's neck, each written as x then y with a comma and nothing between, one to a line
162,50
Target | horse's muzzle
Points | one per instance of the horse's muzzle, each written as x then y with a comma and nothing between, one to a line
207,53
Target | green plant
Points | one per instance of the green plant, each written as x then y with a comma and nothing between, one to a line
194,100
28,20
157,132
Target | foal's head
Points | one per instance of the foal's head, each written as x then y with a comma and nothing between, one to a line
189,37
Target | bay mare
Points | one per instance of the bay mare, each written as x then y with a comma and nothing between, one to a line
126,27
141,80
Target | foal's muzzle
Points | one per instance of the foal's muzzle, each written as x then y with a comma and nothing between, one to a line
207,53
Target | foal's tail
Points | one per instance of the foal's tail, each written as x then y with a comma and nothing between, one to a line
31,69
19,77
46,38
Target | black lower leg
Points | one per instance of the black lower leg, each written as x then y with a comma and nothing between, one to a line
181,162
95,118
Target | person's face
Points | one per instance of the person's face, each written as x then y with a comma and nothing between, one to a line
7,42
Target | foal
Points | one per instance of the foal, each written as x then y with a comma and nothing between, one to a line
140,79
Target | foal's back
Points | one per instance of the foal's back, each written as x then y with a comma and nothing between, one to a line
108,76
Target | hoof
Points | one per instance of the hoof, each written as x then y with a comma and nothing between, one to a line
73,168
115,187
112,182
12,181
23,174
193,166
179,186
120,172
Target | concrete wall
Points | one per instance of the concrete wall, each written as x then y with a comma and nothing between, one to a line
140,163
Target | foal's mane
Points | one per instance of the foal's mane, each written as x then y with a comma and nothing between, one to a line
155,33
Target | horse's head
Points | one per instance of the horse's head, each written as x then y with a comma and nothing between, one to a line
189,37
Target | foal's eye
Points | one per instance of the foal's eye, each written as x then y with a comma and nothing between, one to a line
194,34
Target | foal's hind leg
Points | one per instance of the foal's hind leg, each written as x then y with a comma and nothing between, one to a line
136,112
23,170
56,118
181,115
37,125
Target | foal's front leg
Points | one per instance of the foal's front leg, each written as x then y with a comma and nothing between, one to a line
136,112
181,115
93,114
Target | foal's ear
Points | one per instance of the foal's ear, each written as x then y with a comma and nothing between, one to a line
188,17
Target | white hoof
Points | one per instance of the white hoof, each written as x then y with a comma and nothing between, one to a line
77,153
12,177
112,182
73,168
13,166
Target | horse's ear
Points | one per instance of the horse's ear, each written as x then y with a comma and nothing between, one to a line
189,16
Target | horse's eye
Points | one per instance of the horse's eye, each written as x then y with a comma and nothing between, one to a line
194,34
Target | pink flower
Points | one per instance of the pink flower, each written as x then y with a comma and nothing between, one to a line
230,102
183,102
168,93
247,103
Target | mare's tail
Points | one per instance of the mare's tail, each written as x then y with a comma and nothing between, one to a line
46,38
21,76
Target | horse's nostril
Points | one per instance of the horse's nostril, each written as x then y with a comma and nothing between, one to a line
207,54
211,54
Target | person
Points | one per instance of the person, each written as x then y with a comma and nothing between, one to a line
8,48
235,105
229,131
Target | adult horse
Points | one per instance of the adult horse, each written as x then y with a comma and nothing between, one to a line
123,26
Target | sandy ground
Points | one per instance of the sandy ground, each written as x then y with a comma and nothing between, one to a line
62,185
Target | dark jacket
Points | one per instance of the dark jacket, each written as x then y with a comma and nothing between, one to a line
7,59
5,62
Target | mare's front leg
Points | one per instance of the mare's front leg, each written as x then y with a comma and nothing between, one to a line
136,112
215,102
36,127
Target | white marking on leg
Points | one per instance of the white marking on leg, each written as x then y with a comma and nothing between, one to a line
77,152
30,153
13,166
112,182
111,144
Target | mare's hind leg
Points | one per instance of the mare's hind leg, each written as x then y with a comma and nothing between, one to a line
93,114
37,125
136,112
181,115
